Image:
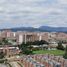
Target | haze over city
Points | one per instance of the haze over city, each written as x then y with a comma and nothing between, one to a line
33,13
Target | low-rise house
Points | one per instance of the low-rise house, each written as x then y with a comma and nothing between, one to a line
9,50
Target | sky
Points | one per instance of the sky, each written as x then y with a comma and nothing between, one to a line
33,13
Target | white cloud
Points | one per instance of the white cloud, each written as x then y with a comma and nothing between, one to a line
33,13
62,1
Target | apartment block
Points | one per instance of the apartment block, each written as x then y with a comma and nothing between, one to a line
23,36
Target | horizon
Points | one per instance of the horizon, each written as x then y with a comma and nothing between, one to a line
31,27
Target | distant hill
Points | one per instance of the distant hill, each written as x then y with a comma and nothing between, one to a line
40,29
53,29
30,29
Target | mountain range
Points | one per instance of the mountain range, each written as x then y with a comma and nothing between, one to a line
40,29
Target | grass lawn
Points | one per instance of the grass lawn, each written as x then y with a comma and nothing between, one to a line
55,52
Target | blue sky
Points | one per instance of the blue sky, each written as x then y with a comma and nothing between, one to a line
34,13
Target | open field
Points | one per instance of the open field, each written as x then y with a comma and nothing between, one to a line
55,52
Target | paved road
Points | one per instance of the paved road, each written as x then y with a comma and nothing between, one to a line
3,65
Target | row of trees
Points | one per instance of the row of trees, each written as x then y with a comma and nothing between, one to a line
4,41
27,48
38,42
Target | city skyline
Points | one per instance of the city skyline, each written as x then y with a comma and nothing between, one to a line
33,13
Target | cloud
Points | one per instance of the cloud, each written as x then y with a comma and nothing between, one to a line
33,13
63,2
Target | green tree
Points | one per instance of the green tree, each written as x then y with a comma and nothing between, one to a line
0,42
65,55
26,48
5,41
60,46
40,42
2,55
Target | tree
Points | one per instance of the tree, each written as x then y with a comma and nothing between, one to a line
2,55
60,46
5,41
0,43
65,55
40,42
26,48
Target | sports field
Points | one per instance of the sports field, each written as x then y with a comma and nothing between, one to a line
55,52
